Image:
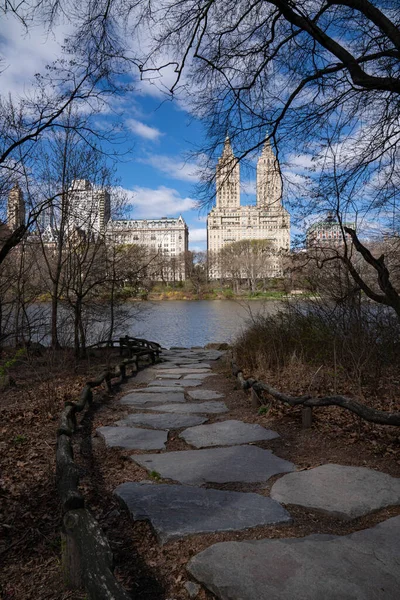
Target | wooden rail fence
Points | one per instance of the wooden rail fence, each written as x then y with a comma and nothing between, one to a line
308,403
87,559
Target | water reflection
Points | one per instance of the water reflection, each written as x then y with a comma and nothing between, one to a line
183,323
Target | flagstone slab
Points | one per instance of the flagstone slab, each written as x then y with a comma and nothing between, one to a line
163,421
175,383
204,394
226,433
167,376
199,376
133,438
212,407
195,365
141,399
177,511
183,370
216,465
158,389
362,566
341,491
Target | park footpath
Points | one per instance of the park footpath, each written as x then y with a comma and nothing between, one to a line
184,495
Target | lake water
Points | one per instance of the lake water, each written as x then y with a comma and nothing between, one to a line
195,323
170,323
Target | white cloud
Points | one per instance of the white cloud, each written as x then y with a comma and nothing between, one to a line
24,53
143,130
198,235
157,203
174,167
300,162
248,187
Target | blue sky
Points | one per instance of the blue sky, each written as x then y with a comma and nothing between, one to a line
159,174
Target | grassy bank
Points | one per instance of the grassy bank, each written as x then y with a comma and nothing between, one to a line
215,295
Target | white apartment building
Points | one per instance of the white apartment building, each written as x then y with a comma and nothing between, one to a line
15,208
230,222
88,207
166,239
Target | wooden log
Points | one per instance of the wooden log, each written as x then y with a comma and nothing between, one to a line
255,399
107,380
306,417
67,475
96,560
242,381
70,562
122,369
98,381
67,420
235,369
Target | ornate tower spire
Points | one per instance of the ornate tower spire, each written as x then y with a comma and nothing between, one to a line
228,178
269,184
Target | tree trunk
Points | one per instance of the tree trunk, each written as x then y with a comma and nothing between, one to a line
54,316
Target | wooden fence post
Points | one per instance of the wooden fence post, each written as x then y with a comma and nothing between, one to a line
306,417
70,559
255,400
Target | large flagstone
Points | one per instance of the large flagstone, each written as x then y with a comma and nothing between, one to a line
212,407
182,370
176,511
166,388
133,438
362,566
338,490
203,394
141,399
163,421
175,383
216,465
198,376
226,433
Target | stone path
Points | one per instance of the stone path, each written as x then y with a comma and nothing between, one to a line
176,502
360,566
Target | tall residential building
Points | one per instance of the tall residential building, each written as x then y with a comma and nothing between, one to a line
88,207
230,222
15,208
228,179
166,239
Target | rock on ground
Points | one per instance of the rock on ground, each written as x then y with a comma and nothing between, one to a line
226,433
346,492
141,399
183,370
175,383
163,421
176,511
197,408
133,438
199,376
216,465
362,566
202,394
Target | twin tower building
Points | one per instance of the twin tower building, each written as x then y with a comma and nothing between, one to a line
230,222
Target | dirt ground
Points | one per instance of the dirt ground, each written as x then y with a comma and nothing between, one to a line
30,514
